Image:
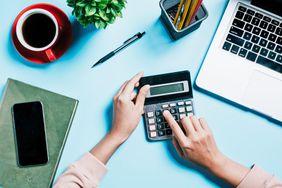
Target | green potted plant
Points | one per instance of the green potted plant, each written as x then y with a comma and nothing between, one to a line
100,13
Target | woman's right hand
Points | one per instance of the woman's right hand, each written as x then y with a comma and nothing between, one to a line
195,142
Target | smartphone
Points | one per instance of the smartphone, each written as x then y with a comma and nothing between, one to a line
30,134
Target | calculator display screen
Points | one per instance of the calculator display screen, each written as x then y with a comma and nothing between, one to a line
172,88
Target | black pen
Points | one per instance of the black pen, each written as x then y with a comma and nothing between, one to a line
124,45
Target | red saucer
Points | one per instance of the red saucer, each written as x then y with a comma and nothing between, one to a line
64,38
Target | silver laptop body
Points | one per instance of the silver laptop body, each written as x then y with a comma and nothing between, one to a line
244,62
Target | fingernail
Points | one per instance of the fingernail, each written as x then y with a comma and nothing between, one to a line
147,87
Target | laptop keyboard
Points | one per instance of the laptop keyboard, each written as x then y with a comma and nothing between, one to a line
256,37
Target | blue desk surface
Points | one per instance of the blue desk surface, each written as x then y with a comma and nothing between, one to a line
241,135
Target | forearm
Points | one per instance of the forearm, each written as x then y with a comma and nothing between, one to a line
229,170
89,170
106,147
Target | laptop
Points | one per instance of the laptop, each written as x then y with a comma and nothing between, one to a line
244,61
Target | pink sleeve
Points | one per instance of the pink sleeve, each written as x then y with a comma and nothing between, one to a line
259,179
86,172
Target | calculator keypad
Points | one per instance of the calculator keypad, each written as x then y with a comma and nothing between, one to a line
157,127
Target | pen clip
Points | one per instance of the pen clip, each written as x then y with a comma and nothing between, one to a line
130,39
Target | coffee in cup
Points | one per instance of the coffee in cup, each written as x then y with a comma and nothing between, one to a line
41,33
37,30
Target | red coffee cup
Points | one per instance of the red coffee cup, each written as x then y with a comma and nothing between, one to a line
41,33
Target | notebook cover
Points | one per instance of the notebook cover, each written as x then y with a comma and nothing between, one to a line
59,112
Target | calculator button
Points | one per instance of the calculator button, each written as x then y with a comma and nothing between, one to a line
188,102
180,103
172,104
150,114
189,114
172,111
152,127
161,133
159,120
160,126
181,110
182,116
153,134
158,113
168,132
151,121
165,105
188,108
166,125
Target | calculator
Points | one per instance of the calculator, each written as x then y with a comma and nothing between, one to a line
172,92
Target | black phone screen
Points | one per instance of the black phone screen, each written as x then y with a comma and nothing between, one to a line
30,133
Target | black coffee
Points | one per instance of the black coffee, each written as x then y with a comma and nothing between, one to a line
38,30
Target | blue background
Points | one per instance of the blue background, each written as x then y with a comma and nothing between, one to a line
243,136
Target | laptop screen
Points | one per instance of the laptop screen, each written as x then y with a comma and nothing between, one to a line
274,6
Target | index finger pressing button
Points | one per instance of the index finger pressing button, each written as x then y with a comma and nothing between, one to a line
174,126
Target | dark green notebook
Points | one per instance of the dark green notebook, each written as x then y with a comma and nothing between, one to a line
59,112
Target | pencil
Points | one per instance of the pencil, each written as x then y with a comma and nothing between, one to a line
185,11
178,12
196,11
191,12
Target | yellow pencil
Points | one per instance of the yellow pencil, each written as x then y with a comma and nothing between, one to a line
183,17
191,12
178,12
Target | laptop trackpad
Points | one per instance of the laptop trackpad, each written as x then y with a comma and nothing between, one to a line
264,94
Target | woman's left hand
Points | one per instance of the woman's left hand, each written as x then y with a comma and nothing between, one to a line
128,108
